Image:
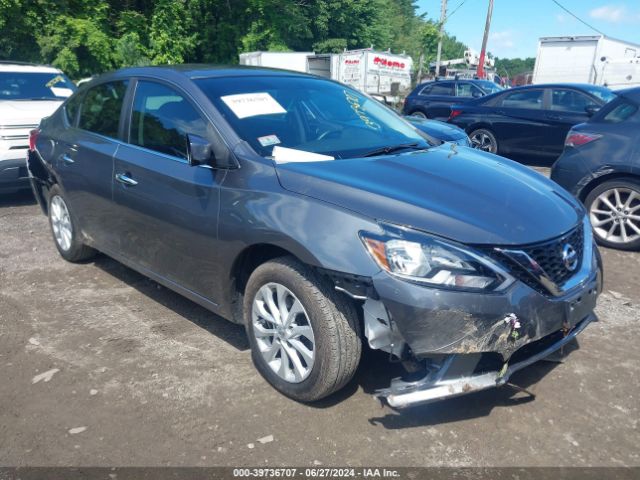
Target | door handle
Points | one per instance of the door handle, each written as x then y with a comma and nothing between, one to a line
124,179
67,159
554,117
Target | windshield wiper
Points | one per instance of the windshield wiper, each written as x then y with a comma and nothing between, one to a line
392,149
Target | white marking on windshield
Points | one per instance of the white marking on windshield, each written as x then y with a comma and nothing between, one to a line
245,105
291,155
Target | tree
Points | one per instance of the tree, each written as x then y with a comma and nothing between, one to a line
169,40
514,66
87,37
80,46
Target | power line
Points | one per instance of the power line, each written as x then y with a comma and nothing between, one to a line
576,17
454,11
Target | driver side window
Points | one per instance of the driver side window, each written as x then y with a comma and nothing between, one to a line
162,118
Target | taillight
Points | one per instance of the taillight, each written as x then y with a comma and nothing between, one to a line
33,137
454,114
577,139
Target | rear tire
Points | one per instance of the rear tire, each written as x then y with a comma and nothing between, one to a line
614,211
485,140
315,363
66,235
419,114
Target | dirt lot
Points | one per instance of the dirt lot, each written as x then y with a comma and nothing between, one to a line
136,375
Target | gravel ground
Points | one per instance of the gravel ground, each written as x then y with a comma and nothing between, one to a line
100,366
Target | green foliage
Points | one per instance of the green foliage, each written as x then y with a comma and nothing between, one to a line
513,66
169,41
79,46
86,37
452,47
330,45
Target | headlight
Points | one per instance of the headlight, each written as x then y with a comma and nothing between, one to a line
421,258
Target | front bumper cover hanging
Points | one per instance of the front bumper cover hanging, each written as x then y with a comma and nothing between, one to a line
437,386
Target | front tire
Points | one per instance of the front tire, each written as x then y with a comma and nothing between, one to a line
304,336
614,211
485,140
66,235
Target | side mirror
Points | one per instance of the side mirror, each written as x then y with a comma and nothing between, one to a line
476,94
591,110
199,151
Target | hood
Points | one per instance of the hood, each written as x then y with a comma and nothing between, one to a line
440,130
469,196
26,112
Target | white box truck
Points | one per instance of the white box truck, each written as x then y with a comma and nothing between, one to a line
580,59
296,61
621,73
377,73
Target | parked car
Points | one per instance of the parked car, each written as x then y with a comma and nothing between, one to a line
440,131
319,218
434,99
600,165
531,120
27,93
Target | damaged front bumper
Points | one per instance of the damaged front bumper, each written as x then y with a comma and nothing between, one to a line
471,341
440,383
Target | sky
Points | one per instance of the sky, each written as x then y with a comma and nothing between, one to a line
517,24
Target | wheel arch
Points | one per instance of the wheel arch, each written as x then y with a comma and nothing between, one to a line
246,262
478,125
597,180
420,109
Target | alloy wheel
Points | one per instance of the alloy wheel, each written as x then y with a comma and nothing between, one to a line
615,215
283,332
482,141
61,223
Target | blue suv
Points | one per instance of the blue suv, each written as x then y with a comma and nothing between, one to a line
434,99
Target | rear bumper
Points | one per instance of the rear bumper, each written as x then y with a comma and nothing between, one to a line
14,175
571,172
438,384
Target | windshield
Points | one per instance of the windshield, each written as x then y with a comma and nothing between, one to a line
35,86
308,114
603,93
489,87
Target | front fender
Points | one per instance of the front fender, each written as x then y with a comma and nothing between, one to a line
256,210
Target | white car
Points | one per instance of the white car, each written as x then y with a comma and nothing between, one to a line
27,94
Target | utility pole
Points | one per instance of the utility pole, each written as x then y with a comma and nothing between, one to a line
483,52
443,17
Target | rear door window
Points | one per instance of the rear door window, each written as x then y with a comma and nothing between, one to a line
162,118
101,108
529,99
570,101
442,89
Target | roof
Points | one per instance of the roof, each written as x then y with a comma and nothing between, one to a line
442,80
8,66
574,38
195,70
630,93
